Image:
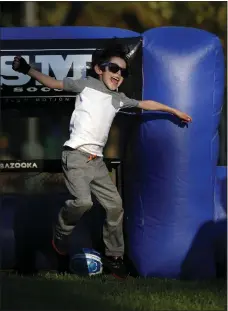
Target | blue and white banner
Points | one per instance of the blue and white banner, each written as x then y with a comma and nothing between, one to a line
58,58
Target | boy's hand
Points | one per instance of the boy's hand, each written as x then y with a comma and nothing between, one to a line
20,65
183,116
156,106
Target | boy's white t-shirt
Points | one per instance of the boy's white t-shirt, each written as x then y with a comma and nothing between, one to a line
95,109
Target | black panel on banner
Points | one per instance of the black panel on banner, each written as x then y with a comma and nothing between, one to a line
51,166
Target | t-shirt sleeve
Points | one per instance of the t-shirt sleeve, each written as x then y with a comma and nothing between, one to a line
126,102
74,85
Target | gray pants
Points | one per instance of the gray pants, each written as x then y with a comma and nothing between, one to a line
83,177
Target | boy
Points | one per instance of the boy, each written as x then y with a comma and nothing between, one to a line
84,171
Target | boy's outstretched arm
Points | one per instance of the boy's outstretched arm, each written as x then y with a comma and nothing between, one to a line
155,106
45,80
20,65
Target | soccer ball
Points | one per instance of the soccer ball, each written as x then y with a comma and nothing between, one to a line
86,262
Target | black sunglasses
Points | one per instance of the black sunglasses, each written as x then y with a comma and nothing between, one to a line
114,68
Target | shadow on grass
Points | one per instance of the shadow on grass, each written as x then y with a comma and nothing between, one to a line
54,292
207,257
40,294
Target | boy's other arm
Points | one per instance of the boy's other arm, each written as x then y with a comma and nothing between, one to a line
155,106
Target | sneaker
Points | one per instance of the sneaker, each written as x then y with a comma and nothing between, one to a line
60,243
116,266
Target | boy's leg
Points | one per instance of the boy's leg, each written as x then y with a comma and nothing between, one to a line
78,174
108,196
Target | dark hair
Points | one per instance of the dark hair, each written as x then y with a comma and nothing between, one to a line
101,56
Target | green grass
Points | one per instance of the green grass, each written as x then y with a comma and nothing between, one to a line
66,292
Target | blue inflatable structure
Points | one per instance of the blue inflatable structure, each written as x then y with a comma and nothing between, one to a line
173,188
171,193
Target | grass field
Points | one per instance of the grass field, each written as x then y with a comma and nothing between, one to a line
105,293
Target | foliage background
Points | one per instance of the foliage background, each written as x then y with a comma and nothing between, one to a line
137,16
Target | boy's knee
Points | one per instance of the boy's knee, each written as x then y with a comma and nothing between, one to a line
116,208
118,203
83,204
74,210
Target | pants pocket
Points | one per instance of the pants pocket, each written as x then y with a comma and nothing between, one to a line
74,159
